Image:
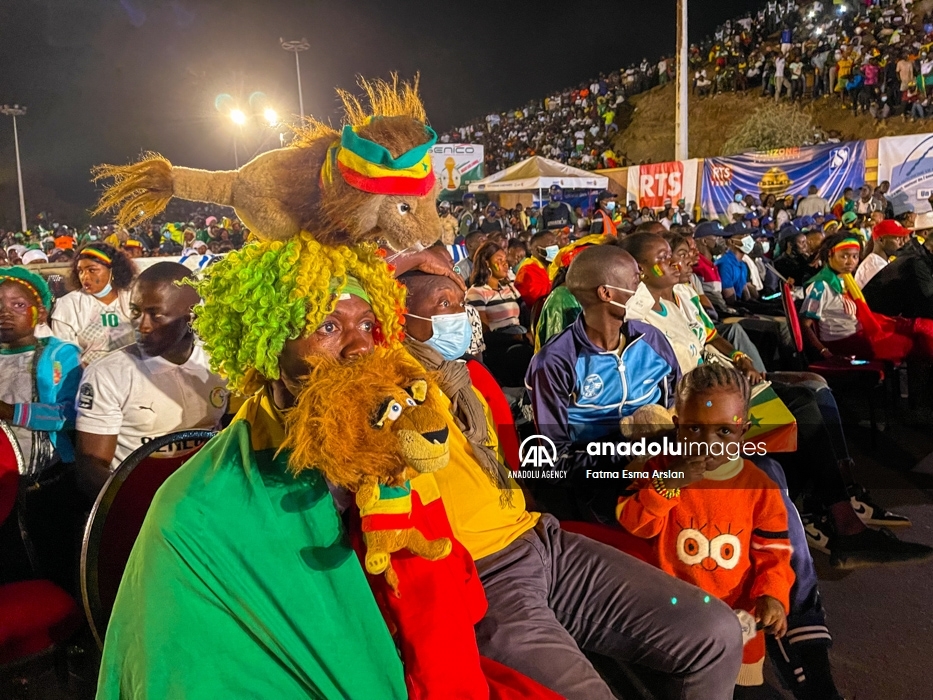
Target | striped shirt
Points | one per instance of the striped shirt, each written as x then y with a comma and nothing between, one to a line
500,305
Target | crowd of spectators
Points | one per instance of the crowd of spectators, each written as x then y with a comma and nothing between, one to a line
873,55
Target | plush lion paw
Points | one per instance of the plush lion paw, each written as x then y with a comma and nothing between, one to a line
439,548
377,562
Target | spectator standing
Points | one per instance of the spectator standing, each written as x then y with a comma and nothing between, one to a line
557,214
96,316
812,204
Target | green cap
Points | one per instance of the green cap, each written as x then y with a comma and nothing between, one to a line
31,280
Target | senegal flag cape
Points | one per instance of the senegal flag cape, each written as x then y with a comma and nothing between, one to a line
242,584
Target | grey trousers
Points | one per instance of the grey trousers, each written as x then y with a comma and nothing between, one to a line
552,593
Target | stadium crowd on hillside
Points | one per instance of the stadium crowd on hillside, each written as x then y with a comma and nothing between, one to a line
876,56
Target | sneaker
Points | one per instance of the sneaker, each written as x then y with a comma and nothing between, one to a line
818,531
871,513
874,548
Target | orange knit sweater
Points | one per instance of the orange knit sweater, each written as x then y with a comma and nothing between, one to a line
726,534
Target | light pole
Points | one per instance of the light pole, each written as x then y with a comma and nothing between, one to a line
238,117
683,78
17,111
297,47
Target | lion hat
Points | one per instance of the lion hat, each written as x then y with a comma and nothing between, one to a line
371,181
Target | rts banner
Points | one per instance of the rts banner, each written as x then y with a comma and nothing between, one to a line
650,185
831,167
456,165
907,163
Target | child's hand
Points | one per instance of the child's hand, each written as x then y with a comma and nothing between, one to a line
770,613
693,468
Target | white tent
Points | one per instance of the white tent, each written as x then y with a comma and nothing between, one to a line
537,173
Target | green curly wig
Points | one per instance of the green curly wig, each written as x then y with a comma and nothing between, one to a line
272,291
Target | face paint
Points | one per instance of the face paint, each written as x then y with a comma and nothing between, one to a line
709,404
656,269
35,315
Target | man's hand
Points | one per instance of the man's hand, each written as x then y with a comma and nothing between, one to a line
770,613
745,365
6,411
693,468
427,262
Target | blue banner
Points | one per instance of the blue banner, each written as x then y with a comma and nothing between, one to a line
831,167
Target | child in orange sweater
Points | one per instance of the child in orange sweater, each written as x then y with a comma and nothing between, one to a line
722,525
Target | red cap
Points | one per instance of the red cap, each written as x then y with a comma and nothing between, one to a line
889,227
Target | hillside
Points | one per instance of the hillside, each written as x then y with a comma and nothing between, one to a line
649,135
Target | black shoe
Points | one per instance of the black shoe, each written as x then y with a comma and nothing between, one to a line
874,548
819,532
871,513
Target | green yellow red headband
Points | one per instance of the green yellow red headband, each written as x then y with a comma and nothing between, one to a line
847,244
98,254
366,165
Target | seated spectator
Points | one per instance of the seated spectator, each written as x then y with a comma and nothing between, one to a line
822,454
531,279
887,238
905,286
159,385
436,335
472,243
508,345
516,254
838,323
580,383
39,380
731,265
793,256
96,316
736,545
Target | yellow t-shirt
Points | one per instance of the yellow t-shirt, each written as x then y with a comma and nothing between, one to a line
477,516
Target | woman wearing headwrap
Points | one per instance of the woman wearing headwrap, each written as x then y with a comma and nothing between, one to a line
837,321
96,315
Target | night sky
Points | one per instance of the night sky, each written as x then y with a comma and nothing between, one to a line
106,79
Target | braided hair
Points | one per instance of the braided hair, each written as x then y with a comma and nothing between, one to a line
713,376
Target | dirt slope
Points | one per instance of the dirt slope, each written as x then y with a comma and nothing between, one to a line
649,136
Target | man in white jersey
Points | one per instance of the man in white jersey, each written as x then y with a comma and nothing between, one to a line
159,385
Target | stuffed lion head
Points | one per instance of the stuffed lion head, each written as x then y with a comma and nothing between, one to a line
372,418
373,180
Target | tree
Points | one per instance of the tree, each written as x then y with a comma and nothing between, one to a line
770,127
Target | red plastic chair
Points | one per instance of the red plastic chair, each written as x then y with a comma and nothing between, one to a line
36,616
867,377
116,519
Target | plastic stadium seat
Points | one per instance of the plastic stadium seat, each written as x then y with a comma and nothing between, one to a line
116,519
36,616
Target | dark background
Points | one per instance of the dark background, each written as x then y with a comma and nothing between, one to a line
106,79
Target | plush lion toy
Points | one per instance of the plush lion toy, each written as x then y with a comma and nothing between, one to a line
375,426
371,426
372,181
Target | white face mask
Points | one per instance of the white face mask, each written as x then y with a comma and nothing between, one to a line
748,245
765,247
641,302
621,289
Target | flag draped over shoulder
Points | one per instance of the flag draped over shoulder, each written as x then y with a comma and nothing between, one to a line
242,584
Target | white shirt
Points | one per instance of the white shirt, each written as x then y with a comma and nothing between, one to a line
138,398
16,387
736,208
868,268
754,275
96,328
834,312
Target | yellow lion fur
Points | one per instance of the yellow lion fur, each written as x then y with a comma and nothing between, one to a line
330,427
279,193
335,427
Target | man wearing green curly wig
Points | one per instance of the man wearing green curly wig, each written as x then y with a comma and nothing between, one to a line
242,582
